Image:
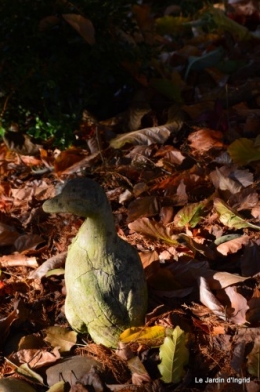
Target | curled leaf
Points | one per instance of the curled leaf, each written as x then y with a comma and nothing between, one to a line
145,136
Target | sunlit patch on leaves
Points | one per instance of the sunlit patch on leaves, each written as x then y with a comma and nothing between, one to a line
208,299
238,304
55,272
174,356
151,336
68,158
220,180
58,387
222,279
230,218
190,214
26,371
203,140
153,229
233,245
61,337
145,136
233,310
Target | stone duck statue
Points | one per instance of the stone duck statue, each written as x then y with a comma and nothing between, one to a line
105,283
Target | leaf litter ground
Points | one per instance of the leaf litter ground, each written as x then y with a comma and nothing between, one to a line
187,197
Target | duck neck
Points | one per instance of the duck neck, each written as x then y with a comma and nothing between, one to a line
98,234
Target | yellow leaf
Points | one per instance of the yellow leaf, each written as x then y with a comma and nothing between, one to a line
146,335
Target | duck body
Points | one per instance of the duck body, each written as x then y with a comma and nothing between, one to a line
106,288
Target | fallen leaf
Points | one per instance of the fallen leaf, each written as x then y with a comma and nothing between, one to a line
149,336
253,363
220,180
174,356
233,245
153,229
243,151
83,26
230,218
139,373
144,136
14,385
209,59
208,299
61,337
239,307
144,206
190,214
8,234
203,140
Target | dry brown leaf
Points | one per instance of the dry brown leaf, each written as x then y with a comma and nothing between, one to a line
8,234
233,246
52,263
220,180
209,300
139,373
25,193
68,158
148,258
144,206
27,242
145,136
35,358
61,337
48,22
203,140
83,26
166,215
152,229
239,307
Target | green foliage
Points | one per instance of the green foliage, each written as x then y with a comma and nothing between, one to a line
49,73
